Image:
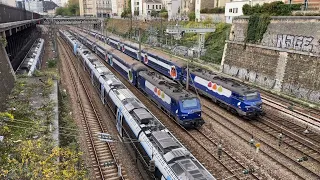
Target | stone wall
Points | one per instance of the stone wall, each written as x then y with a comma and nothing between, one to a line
7,77
287,59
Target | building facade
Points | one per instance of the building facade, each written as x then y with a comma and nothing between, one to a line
34,6
8,2
234,8
151,5
309,4
95,8
173,6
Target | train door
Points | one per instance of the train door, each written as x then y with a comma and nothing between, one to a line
102,92
91,76
119,121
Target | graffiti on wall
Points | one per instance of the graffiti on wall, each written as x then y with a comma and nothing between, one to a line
251,76
298,43
301,92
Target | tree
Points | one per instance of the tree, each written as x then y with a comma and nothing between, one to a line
72,9
163,10
164,15
154,13
33,160
192,16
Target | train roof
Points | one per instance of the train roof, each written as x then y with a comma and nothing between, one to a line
171,151
107,47
166,56
225,82
170,87
161,54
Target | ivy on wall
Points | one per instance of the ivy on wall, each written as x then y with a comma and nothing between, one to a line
257,26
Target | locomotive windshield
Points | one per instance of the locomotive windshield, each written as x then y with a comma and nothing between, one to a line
252,96
189,103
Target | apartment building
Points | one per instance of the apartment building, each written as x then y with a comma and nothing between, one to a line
309,4
234,8
95,8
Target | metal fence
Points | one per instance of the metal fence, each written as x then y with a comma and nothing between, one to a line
12,14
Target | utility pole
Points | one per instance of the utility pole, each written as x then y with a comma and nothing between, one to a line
187,83
131,27
139,53
161,35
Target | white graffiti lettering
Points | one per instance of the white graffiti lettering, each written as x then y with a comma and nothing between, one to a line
299,43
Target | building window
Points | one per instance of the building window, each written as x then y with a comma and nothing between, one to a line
152,6
235,10
137,3
159,6
230,10
148,7
156,6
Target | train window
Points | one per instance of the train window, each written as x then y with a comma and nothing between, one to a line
189,103
252,96
177,169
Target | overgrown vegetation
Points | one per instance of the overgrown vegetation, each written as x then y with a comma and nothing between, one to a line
215,42
52,63
192,16
66,123
126,13
277,8
164,13
216,10
257,26
71,9
27,151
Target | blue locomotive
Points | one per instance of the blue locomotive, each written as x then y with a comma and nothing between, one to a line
177,100
228,93
243,100
147,138
171,97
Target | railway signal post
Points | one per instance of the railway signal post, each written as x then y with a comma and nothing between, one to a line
280,139
252,141
219,150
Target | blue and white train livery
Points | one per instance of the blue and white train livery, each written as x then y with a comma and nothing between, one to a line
148,139
135,71
247,104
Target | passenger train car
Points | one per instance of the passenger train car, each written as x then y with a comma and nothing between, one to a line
244,100
33,59
177,99
145,136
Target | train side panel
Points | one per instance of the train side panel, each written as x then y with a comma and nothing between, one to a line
156,94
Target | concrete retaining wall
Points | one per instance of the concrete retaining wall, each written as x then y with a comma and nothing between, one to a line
286,60
7,77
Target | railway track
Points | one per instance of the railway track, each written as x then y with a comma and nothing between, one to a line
266,140
100,152
310,111
292,113
229,167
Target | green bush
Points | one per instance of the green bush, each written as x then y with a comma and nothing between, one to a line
277,8
257,26
164,15
154,13
214,43
192,16
52,63
216,10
